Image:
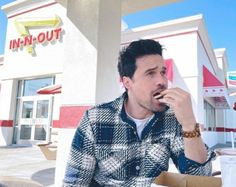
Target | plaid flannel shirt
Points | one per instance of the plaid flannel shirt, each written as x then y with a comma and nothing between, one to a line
106,149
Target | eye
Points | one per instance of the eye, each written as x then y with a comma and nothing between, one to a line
163,72
151,73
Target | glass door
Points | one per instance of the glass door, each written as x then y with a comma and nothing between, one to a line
34,119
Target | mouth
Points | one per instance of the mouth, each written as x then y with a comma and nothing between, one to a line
158,95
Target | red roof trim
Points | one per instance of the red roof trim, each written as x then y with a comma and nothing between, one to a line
33,9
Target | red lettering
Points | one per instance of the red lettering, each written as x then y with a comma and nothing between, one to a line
10,47
28,40
49,38
16,43
41,37
57,32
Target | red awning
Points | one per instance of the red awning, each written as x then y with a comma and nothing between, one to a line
215,88
51,89
169,69
209,79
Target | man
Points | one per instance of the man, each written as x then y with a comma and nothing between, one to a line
129,141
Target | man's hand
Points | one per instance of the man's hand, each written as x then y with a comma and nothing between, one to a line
180,101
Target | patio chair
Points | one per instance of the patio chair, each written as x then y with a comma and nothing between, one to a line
49,150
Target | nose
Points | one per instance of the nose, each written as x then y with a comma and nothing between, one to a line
161,81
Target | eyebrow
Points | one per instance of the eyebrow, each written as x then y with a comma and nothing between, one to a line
152,69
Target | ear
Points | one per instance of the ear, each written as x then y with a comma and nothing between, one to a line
126,82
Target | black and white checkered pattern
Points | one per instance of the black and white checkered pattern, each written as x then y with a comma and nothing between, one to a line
107,149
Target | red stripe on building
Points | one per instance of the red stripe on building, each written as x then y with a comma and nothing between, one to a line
232,82
6,123
223,129
70,116
220,129
56,124
33,9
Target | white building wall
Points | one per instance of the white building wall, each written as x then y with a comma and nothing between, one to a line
230,120
210,138
229,115
182,49
221,122
57,98
206,58
187,73
222,61
49,57
19,64
8,99
82,89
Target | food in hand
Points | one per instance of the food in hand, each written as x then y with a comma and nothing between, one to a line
158,96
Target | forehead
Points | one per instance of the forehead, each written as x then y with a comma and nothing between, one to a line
150,61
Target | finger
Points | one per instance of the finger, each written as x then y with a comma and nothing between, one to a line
168,101
174,90
180,94
158,96
173,95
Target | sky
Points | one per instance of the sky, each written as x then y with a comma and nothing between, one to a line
219,17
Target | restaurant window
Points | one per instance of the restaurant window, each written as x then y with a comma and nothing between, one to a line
210,116
29,87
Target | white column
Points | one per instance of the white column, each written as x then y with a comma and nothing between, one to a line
7,111
92,40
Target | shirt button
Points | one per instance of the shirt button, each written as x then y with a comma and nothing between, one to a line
137,168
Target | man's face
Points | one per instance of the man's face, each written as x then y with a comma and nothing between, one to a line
148,80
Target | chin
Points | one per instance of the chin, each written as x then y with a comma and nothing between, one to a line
160,108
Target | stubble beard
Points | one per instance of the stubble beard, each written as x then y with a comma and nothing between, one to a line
160,108
154,108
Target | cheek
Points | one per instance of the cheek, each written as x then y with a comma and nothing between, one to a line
143,90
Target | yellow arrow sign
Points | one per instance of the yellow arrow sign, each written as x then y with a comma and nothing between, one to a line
23,24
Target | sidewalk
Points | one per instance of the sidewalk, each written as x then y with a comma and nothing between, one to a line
29,162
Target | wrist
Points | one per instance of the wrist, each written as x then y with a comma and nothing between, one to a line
189,125
192,133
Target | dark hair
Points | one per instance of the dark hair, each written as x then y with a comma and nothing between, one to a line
128,55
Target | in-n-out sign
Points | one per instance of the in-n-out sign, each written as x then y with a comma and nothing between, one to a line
27,40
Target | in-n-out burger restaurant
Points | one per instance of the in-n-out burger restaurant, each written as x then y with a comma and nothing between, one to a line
55,67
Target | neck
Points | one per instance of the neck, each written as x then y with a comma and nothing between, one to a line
136,111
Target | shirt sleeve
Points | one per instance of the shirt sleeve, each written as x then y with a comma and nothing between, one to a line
81,163
184,164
